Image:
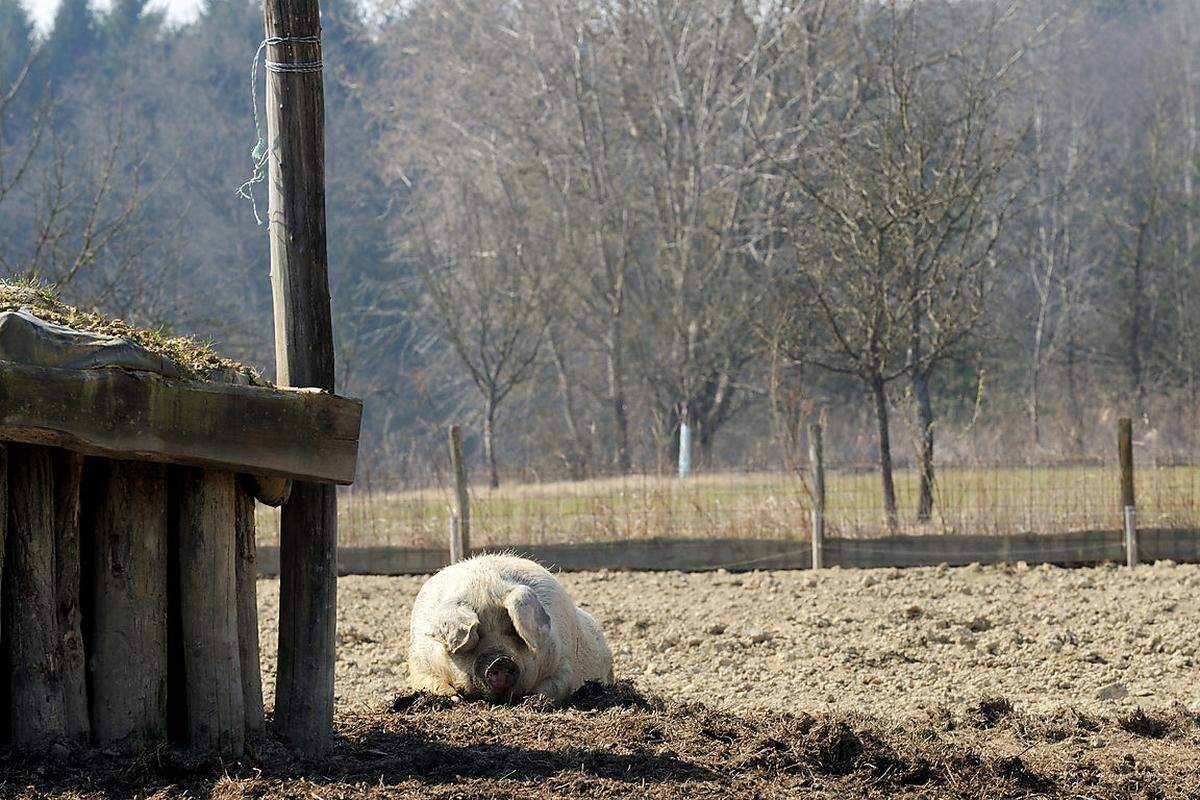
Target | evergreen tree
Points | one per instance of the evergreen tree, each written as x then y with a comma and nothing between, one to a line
16,41
72,39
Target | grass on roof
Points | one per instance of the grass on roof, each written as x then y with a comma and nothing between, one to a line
197,359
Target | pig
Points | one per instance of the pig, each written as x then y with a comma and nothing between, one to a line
499,628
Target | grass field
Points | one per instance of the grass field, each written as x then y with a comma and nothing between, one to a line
1040,499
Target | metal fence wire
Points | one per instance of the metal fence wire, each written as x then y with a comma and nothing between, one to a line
973,499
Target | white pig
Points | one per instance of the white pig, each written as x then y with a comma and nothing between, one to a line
499,627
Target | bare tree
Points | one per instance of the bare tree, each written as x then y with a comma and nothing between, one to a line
903,204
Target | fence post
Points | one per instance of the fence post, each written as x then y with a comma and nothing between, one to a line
1128,504
460,517
817,464
303,357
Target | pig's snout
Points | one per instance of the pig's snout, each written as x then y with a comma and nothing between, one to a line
501,676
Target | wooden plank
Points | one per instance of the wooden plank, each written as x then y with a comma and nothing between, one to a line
302,433
698,555
247,612
68,477
207,536
31,608
124,516
303,357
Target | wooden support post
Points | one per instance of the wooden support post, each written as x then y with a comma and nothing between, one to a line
817,465
208,608
125,517
303,357
68,478
31,608
1128,501
247,612
5,692
460,518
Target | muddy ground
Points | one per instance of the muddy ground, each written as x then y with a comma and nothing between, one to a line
887,642
981,683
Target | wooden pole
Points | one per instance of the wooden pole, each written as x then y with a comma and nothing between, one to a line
1128,501
303,357
31,608
460,519
5,691
68,478
208,610
817,465
247,612
125,514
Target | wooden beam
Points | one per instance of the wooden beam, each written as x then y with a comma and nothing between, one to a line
303,357
38,720
125,517
302,433
208,609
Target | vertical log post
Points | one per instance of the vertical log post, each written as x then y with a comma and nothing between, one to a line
247,612
1128,503
68,477
817,465
125,513
208,610
5,689
460,519
31,605
303,357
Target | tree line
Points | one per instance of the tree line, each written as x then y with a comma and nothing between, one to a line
578,224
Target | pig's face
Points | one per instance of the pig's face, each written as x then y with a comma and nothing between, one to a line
490,650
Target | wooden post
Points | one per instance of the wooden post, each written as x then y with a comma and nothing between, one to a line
1128,503
817,465
31,608
68,477
5,692
460,518
247,612
125,516
208,609
303,357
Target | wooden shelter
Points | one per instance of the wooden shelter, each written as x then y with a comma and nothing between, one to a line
127,501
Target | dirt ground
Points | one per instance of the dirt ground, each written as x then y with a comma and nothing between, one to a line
979,683
894,643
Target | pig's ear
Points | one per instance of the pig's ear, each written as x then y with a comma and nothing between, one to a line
455,626
528,616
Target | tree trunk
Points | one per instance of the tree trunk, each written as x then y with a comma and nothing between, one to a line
879,395
576,452
1035,375
616,398
920,387
489,443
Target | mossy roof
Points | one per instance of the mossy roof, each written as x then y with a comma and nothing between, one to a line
195,358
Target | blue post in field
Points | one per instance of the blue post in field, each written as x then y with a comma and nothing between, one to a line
685,449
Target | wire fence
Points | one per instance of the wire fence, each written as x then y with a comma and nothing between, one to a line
999,498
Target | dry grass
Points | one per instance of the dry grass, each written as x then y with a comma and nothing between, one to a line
968,500
195,359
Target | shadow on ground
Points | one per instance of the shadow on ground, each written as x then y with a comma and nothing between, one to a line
613,742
